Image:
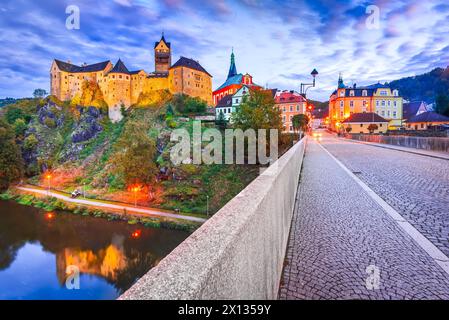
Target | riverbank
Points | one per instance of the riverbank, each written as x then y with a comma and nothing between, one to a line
58,201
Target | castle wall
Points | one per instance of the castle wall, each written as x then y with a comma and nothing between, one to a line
191,82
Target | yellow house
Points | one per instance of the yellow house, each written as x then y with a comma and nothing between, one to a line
363,122
426,121
377,98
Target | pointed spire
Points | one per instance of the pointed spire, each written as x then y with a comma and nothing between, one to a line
232,67
341,84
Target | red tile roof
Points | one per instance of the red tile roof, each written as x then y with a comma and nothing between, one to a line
288,97
365,117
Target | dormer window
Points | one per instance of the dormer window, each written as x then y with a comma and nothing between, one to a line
364,93
351,93
342,93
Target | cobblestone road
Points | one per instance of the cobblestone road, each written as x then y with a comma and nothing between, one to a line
338,231
416,186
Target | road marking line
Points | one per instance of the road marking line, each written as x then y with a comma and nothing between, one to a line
436,254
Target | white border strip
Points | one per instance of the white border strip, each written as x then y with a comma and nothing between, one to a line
436,254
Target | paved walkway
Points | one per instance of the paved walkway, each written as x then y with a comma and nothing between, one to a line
341,239
129,209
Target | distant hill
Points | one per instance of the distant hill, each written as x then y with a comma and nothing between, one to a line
424,87
5,102
321,109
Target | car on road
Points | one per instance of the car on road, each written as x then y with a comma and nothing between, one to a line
75,194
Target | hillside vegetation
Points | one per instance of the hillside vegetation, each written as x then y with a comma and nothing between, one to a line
429,87
80,148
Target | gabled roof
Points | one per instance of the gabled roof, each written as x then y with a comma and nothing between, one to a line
411,109
429,116
190,63
272,92
237,79
364,117
120,68
68,67
288,97
226,101
162,39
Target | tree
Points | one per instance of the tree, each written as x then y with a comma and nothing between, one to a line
257,111
372,127
13,113
300,122
30,142
185,104
135,153
170,110
348,128
11,162
39,93
442,104
221,121
20,127
123,110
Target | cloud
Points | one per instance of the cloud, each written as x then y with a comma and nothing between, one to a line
278,42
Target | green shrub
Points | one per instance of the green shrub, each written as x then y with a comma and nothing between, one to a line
6,196
30,142
133,221
50,123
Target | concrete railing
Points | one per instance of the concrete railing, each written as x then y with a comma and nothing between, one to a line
239,252
426,143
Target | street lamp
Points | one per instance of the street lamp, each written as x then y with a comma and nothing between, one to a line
305,86
207,205
48,177
135,190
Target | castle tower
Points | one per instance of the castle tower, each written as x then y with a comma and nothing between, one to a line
162,55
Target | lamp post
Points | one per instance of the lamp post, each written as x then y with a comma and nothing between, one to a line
48,177
306,86
207,205
135,189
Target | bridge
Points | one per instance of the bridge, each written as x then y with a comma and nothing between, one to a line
333,219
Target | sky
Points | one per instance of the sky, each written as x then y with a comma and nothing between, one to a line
278,42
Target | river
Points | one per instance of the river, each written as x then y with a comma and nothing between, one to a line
38,248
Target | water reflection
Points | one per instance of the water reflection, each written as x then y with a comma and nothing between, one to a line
35,250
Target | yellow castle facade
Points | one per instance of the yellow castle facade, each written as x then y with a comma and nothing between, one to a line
121,87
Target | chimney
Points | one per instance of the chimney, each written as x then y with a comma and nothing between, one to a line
355,85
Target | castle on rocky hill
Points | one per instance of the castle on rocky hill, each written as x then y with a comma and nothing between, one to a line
120,86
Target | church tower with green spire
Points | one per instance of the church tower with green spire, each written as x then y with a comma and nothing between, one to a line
232,69
341,84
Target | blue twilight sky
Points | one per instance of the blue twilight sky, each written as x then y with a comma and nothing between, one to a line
278,42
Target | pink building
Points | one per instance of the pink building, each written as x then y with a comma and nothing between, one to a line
290,103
